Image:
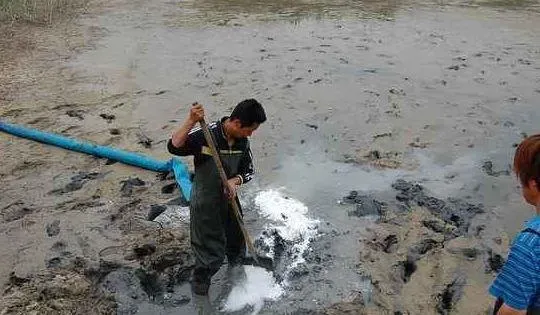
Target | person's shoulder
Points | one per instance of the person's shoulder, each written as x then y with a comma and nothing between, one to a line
197,130
534,224
214,124
529,237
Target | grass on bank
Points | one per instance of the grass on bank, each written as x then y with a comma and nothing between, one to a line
38,11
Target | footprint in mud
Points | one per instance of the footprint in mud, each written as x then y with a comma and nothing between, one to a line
13,112
144,139
64,106
108,117
76,113
405,269
77,182
387,243
119,213
127,186
457,67
64,259
59,246
38,120
15,211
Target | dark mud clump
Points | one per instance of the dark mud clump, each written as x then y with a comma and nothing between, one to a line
389,243
179,201
14,280
155,211
435,225
165,176
126,288
168,189
144,249
453,211
494,262
57,292
273,245
487,167
364,205
108,117
450,295
386,243
404,269
423,247
165,261
163,266
312,126
97,272
110,162
169,257
274,253
53,228
150,283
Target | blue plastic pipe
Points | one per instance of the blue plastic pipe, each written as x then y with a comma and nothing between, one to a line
180,170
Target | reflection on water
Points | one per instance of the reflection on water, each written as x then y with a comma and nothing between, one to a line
532,5
237,12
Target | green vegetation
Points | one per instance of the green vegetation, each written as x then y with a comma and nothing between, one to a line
38,11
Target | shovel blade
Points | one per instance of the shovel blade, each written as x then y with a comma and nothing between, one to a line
260,261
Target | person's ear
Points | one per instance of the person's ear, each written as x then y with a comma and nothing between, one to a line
533,185
237,123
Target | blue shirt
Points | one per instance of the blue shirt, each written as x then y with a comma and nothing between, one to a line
518,283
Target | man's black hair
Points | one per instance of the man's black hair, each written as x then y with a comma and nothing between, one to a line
249,112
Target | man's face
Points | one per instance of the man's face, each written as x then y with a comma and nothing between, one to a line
243,132
531,192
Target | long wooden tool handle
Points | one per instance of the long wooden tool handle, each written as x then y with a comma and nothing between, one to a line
223,176
213,151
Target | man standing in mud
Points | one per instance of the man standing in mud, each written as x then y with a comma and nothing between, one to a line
517,287
214,231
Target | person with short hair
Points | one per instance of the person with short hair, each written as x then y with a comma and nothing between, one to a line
517,286
214,229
